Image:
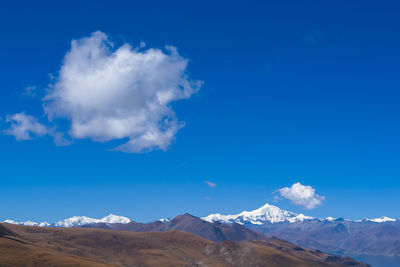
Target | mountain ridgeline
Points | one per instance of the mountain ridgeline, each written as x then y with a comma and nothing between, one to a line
377,236
191,224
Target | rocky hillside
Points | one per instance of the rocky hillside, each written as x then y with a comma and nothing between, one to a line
40,246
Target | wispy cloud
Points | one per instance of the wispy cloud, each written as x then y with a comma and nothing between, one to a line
301,195
108,93
30,91
210,184
26,127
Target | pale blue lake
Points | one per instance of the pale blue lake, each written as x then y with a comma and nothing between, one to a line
379,261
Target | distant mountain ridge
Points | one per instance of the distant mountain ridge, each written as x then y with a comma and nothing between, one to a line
265,214
377,236
188,223
272,214
75,221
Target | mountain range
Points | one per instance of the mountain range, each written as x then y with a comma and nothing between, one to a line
266,214
74,221
272,214
188,223
377,236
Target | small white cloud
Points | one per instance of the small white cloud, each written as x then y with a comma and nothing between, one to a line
30,91
301,195
25,127
118,93
210,184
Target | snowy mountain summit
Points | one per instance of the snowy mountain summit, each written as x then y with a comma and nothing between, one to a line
28,223
83,220
75,221
382,219
266,214
272,214
165,220
115,219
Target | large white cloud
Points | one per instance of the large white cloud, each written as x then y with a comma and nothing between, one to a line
302,195
109,93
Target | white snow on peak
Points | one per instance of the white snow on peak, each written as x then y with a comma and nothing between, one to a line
75,221
300,218
331,219
164,220
83,220
115,219
266,214
44,224
272,214
10,221
27,223
382,219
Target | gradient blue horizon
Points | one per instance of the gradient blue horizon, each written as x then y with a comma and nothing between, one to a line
293,92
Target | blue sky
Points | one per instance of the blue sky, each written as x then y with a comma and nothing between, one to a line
292,92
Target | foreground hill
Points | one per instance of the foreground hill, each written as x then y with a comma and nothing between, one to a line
39,246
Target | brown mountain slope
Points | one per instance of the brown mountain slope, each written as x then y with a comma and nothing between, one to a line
36,246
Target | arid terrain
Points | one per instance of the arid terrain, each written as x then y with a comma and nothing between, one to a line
38,246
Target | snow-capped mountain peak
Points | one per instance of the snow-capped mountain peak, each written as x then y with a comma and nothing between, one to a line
115,219
272,214
44,224
83,220
300,218
27,223
11,221
164,220
75,221
382,219
266,214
